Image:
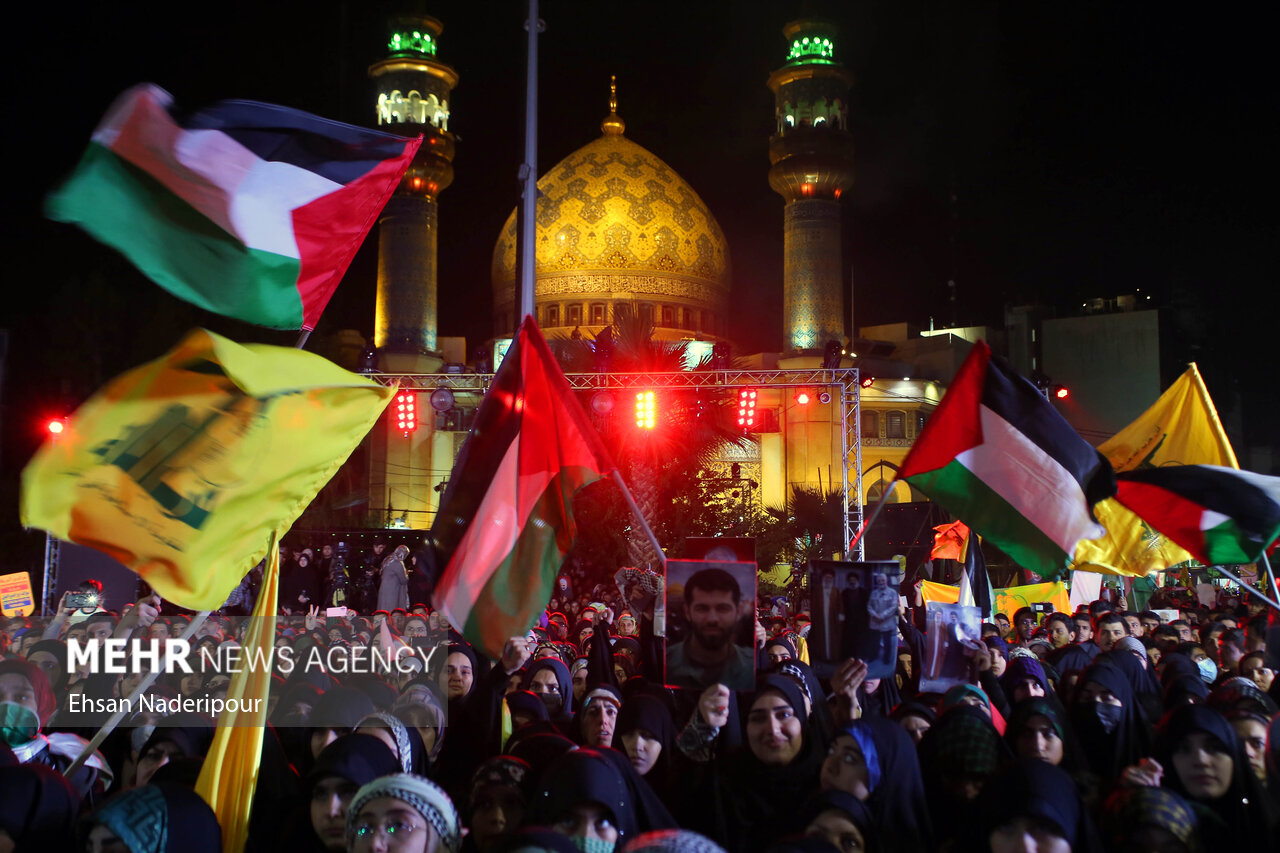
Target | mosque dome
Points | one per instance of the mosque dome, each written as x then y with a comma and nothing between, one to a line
617,226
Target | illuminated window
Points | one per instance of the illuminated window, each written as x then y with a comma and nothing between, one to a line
895,425
870,425
819,121
920,418
553,315
575,315
668,316
411,42
791,121
597,315
811,49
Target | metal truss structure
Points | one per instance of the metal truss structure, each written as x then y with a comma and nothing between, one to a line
843,384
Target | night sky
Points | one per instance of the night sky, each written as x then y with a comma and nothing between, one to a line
1028,151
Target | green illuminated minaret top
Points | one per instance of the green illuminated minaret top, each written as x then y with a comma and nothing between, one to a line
413,88
812,155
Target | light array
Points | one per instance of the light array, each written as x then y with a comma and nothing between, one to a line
747,408
646,408
406,412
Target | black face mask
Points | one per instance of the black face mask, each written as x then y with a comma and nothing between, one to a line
1097,718
552,701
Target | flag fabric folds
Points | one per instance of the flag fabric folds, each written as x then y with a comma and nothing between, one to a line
998,455
949,541
506,520
1180,428
246,209
975,569
182,468
229,775
1221,516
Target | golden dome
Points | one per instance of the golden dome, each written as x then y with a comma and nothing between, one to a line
617,225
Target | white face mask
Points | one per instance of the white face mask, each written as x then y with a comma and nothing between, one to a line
1208,670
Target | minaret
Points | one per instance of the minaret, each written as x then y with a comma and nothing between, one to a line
413,89
812,156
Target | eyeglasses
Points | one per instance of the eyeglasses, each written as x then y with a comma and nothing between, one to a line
393,829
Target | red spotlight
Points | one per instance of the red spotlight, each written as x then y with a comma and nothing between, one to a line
56,426
406,412
747,409
802,398
646,410
867,380
1061,392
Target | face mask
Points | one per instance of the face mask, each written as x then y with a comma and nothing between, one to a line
552,701
1108,716
591,845
18,724
1208,670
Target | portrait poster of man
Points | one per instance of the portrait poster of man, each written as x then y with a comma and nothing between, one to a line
854,613
953,629
710,624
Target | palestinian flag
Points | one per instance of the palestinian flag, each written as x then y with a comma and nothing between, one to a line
506,520
249,210
1222,516
998,455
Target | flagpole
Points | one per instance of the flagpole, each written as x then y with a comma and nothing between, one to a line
875,513
302,339
126,707
635,510
1233,576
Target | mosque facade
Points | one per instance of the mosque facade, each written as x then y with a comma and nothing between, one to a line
617,226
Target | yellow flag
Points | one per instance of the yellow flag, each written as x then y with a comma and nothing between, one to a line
229,775
1182,428
1006,600
182,468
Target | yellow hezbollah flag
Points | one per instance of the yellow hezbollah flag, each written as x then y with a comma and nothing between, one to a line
1182,428
182,468
229,775
1006,600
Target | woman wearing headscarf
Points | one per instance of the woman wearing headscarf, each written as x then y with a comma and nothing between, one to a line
1145,818
1112,729
183,735
840,819
1030,805
340,770
1146,689
403,740
1024,678
1202,760
549,678
393,587
646,733
957,756
1181,680
916,717
497,802
335,714
583,795
875,761
756,790
26,705
155,818
403,806
37,807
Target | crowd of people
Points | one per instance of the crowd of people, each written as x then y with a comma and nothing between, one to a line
1100,730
